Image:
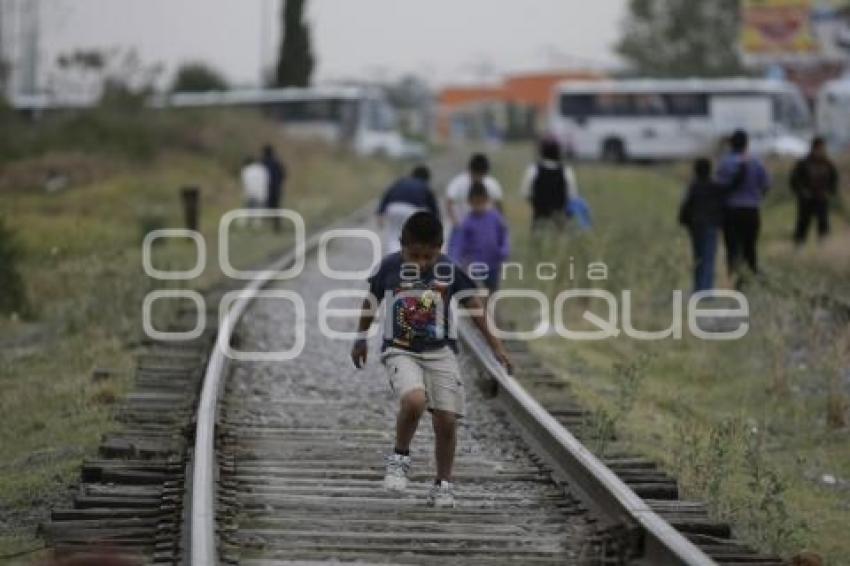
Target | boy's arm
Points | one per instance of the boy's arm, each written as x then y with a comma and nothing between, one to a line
504,241
498,197
833,179
480,320
432,205
360,350
764,177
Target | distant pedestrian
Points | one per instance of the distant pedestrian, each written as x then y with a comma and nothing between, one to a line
401,200
741,216
277,179
255,184
549,185
701,213
483,239
814,180
457,196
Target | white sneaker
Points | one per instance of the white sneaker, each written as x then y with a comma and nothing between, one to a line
441,495
398,467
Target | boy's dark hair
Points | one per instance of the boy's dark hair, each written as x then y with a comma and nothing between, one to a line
818,142
702,169
550,149
479,164
422,173
478,190
739,141
422,228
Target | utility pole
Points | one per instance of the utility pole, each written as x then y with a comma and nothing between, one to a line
265,24
5,59
31,49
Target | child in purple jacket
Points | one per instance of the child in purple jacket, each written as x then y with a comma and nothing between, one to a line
483,238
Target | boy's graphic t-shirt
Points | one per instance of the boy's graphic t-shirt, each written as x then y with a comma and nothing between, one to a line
417,305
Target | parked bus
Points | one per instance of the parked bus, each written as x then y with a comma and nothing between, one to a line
833,113
358,117
669,119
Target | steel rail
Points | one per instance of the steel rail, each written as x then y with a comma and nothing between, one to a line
203,550
659,544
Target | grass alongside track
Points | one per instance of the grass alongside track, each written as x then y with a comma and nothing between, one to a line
744,424
82,268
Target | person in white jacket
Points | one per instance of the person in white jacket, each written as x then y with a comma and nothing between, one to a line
255,185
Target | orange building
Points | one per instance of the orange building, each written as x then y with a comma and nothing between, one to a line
535,89
516,107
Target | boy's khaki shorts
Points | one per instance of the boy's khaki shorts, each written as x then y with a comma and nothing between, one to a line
436,373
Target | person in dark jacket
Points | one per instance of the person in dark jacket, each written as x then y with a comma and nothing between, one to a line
701,213
277,178
814,180
401,200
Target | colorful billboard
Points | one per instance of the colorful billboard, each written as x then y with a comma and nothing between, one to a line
789,30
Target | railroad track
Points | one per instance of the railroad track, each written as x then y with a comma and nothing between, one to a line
285,461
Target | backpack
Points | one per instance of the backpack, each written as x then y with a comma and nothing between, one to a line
549,194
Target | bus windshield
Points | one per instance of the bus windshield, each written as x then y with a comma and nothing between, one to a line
791,112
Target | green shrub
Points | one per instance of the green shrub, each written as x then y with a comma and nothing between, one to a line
12,294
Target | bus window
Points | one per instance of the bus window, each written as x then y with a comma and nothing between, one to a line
577,105
791,112
649,104
686,105
614,104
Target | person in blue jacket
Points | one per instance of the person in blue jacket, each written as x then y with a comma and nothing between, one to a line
400,201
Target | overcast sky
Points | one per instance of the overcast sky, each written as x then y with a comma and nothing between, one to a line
445,40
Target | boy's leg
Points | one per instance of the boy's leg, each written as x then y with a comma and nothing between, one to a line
730,239
709,257
446,400
698,259
445,443
803,219
412,406
405,375
822,213
752,227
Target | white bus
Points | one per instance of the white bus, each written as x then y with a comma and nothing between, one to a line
833,113
668,119
358,117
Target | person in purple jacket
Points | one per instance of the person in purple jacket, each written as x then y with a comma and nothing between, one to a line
483,239
741,217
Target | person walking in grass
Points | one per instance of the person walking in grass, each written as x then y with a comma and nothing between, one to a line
255,185
483,239
741,214
701,212
814,181
421,289
549,185
405,197
276,171
457,196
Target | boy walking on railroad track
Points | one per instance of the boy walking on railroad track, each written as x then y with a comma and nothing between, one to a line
421,289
